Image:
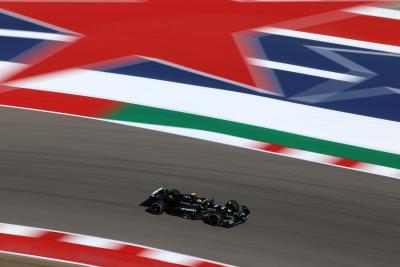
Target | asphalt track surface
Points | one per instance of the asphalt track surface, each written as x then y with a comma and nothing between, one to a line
88,177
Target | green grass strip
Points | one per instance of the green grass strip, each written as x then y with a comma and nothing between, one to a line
150,115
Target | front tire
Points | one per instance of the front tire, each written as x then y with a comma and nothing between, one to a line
215,219
157,208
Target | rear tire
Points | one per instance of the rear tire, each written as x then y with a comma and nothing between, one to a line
215,219
157,208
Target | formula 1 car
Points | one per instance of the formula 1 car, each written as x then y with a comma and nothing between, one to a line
190,206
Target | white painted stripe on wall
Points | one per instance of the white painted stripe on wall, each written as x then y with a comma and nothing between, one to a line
304,70
331,39
280,115
376,12
36,35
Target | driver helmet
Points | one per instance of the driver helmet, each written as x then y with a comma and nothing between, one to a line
230,207
194,197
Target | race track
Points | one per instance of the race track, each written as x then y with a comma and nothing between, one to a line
88,177
7,260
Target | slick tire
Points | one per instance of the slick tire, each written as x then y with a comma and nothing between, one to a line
157,208
215,219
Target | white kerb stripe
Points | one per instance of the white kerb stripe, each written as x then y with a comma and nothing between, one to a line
380,170
91,241
170,257
304,70
11,229
376,12
36,35
309,156
331,39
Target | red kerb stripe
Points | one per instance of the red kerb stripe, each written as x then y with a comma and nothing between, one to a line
273,148
346,162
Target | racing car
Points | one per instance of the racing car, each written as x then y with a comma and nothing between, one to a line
190,206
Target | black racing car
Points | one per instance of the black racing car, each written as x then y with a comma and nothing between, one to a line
190,206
